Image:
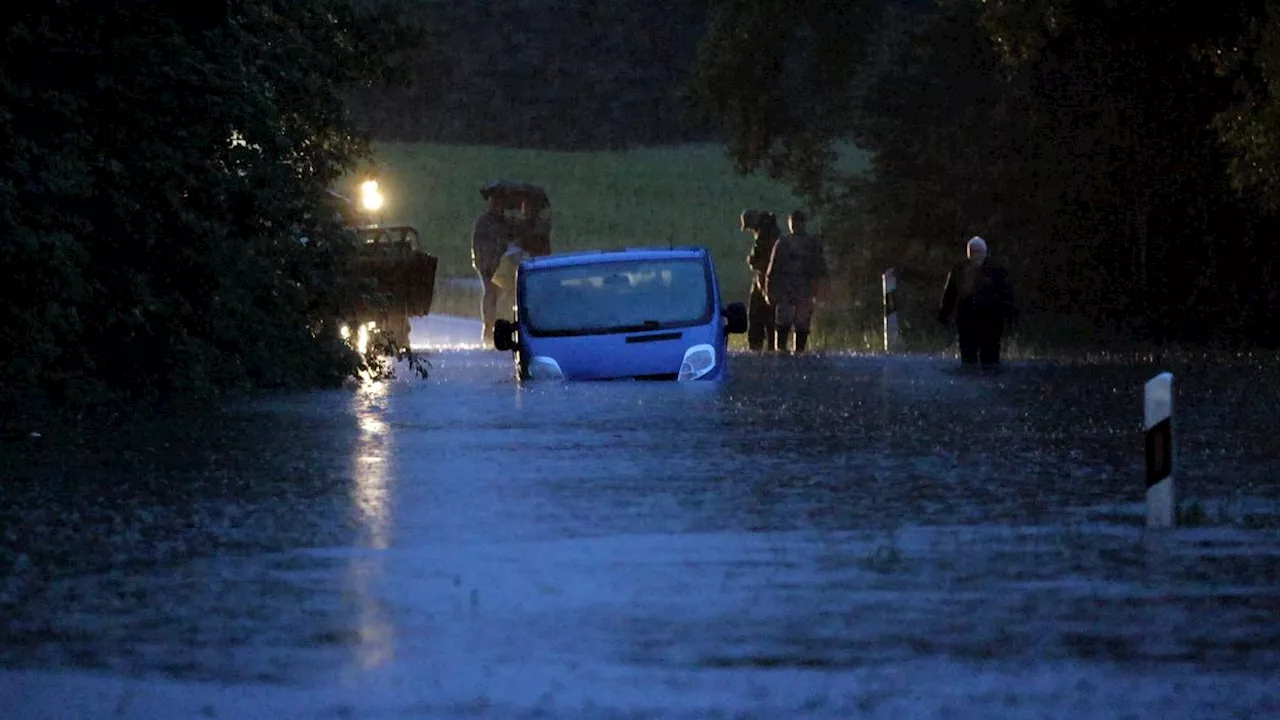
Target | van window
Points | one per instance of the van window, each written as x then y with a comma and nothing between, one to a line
617,297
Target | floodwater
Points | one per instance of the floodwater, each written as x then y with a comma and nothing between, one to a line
826,537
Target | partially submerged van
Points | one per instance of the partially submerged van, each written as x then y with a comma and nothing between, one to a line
648,313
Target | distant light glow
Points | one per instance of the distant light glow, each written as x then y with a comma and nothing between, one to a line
362,340
359,338
370,197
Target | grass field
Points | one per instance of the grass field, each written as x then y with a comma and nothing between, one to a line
687,195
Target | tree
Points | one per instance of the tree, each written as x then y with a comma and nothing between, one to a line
780,77
1250,126
1123,90
159,167
1079,136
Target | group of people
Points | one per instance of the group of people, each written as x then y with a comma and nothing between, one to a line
510,229
789,274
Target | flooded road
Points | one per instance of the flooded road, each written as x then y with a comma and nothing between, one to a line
829,537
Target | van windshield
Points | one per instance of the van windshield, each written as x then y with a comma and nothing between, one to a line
617,297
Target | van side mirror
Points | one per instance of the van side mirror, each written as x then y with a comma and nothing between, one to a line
504,335
736,314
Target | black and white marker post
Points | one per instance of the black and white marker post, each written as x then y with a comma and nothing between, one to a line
1158,433
889,281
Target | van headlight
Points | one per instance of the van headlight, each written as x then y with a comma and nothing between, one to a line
542,367
698,361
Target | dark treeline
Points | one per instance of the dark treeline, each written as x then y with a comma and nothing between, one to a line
550,74
1120,157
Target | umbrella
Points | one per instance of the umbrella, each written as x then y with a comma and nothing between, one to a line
516,190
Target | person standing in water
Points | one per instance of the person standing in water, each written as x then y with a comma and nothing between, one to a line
761,325
491,236
979,293
797,270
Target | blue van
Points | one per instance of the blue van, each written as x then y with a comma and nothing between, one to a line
646,313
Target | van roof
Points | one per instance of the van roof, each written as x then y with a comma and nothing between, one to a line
592,257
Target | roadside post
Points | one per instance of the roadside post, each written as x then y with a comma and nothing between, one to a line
889,284
1158,441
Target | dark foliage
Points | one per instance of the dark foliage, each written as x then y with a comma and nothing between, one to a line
1119,156
777,76
158,167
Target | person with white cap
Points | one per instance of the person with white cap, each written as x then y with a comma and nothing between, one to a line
979,293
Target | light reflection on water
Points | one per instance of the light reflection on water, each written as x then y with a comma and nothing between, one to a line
371,497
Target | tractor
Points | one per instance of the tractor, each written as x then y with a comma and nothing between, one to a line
396,279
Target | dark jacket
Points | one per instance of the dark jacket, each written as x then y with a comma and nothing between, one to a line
977,293
796,268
